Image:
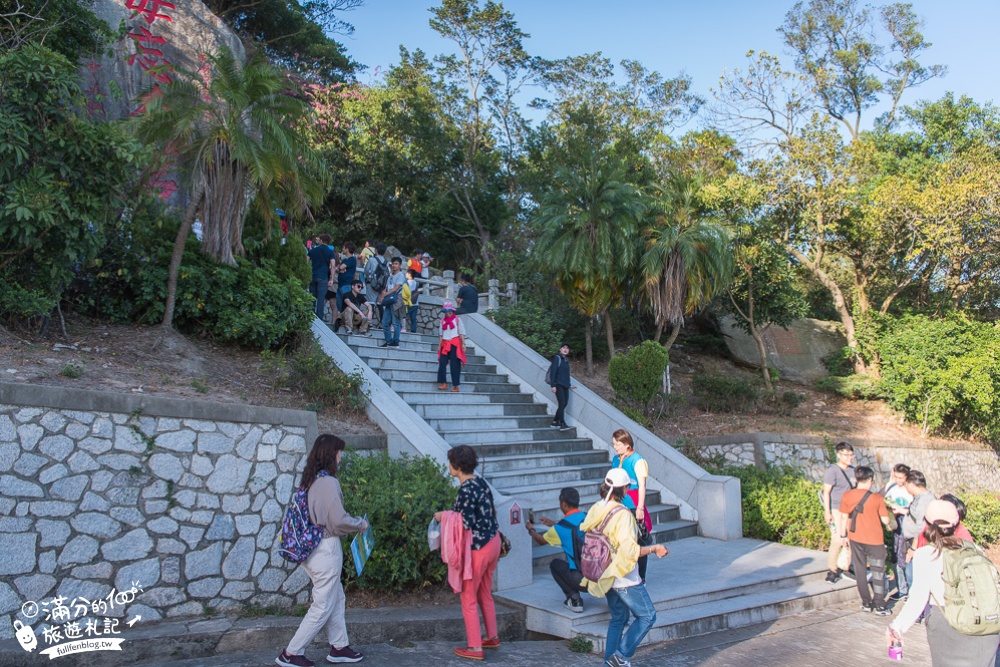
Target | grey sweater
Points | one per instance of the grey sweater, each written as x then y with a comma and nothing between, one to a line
326,507
913,523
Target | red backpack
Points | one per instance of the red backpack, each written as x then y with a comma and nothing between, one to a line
597,553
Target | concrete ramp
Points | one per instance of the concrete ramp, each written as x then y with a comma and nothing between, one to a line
703,586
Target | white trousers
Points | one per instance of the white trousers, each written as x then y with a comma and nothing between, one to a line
327,609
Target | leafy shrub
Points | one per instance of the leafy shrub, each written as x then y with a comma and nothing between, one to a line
637,376
983,516
400,496
943,373
780,505
580,644
840,363
250,304
23,301
533,325
263,310
309,369
721,393
850,386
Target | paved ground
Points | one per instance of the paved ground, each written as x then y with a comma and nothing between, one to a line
831,637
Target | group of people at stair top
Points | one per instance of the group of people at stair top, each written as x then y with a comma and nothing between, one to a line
353,286
926,532
623,582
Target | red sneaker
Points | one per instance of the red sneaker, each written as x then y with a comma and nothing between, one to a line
491,643
463,652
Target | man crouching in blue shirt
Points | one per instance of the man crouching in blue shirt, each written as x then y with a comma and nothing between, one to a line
565,533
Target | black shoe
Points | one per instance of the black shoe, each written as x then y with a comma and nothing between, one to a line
848,575
832,577
867,607
385,345
882,611
554,425
394,343
564,427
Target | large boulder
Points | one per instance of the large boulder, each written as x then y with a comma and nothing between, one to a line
796,352
159,35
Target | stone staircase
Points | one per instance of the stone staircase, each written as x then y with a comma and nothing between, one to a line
520,454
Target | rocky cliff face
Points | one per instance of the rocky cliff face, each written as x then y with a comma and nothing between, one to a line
160,38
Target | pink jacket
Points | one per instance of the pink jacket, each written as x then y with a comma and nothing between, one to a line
456,549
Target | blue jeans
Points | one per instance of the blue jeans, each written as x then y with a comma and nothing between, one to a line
411,314
390,319
317,288
623,602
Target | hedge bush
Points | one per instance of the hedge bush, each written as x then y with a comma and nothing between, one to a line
637,376
261,303
721,393
310,370
943,373
780,505
983,516
533,325
850,386
400,497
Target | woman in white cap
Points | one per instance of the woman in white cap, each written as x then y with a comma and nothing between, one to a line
949,647
620,582
451,348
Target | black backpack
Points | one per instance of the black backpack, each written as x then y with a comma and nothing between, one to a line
577,539
380,276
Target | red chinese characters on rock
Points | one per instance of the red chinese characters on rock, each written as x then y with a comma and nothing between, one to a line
149,9
150,57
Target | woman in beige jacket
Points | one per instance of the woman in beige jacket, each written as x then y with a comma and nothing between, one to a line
326,508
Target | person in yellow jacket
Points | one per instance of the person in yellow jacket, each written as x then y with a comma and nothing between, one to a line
620,583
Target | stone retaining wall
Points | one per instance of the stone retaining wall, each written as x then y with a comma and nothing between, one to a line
946,469
185,498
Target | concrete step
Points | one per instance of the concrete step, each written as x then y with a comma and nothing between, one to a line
702,586
544,496
405,344
566,475
398,353
470,387
489,423
661,513
424,395
432,376
471,437
535,462
421,365
492,450
436,411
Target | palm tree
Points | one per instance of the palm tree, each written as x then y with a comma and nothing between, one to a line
232,129
688,258
588,223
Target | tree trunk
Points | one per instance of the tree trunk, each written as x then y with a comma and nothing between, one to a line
659,333
588,334
175,259
609,332
674,330
758,338
839,304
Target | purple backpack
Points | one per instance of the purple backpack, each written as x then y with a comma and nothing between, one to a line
299,535
596,555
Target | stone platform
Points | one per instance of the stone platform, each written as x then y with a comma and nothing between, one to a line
702,586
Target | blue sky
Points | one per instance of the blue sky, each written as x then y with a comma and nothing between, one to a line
700,38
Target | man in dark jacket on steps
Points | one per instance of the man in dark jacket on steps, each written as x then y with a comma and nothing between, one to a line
558,379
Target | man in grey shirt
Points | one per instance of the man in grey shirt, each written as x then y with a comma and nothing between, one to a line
838,479
392,312
913,522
